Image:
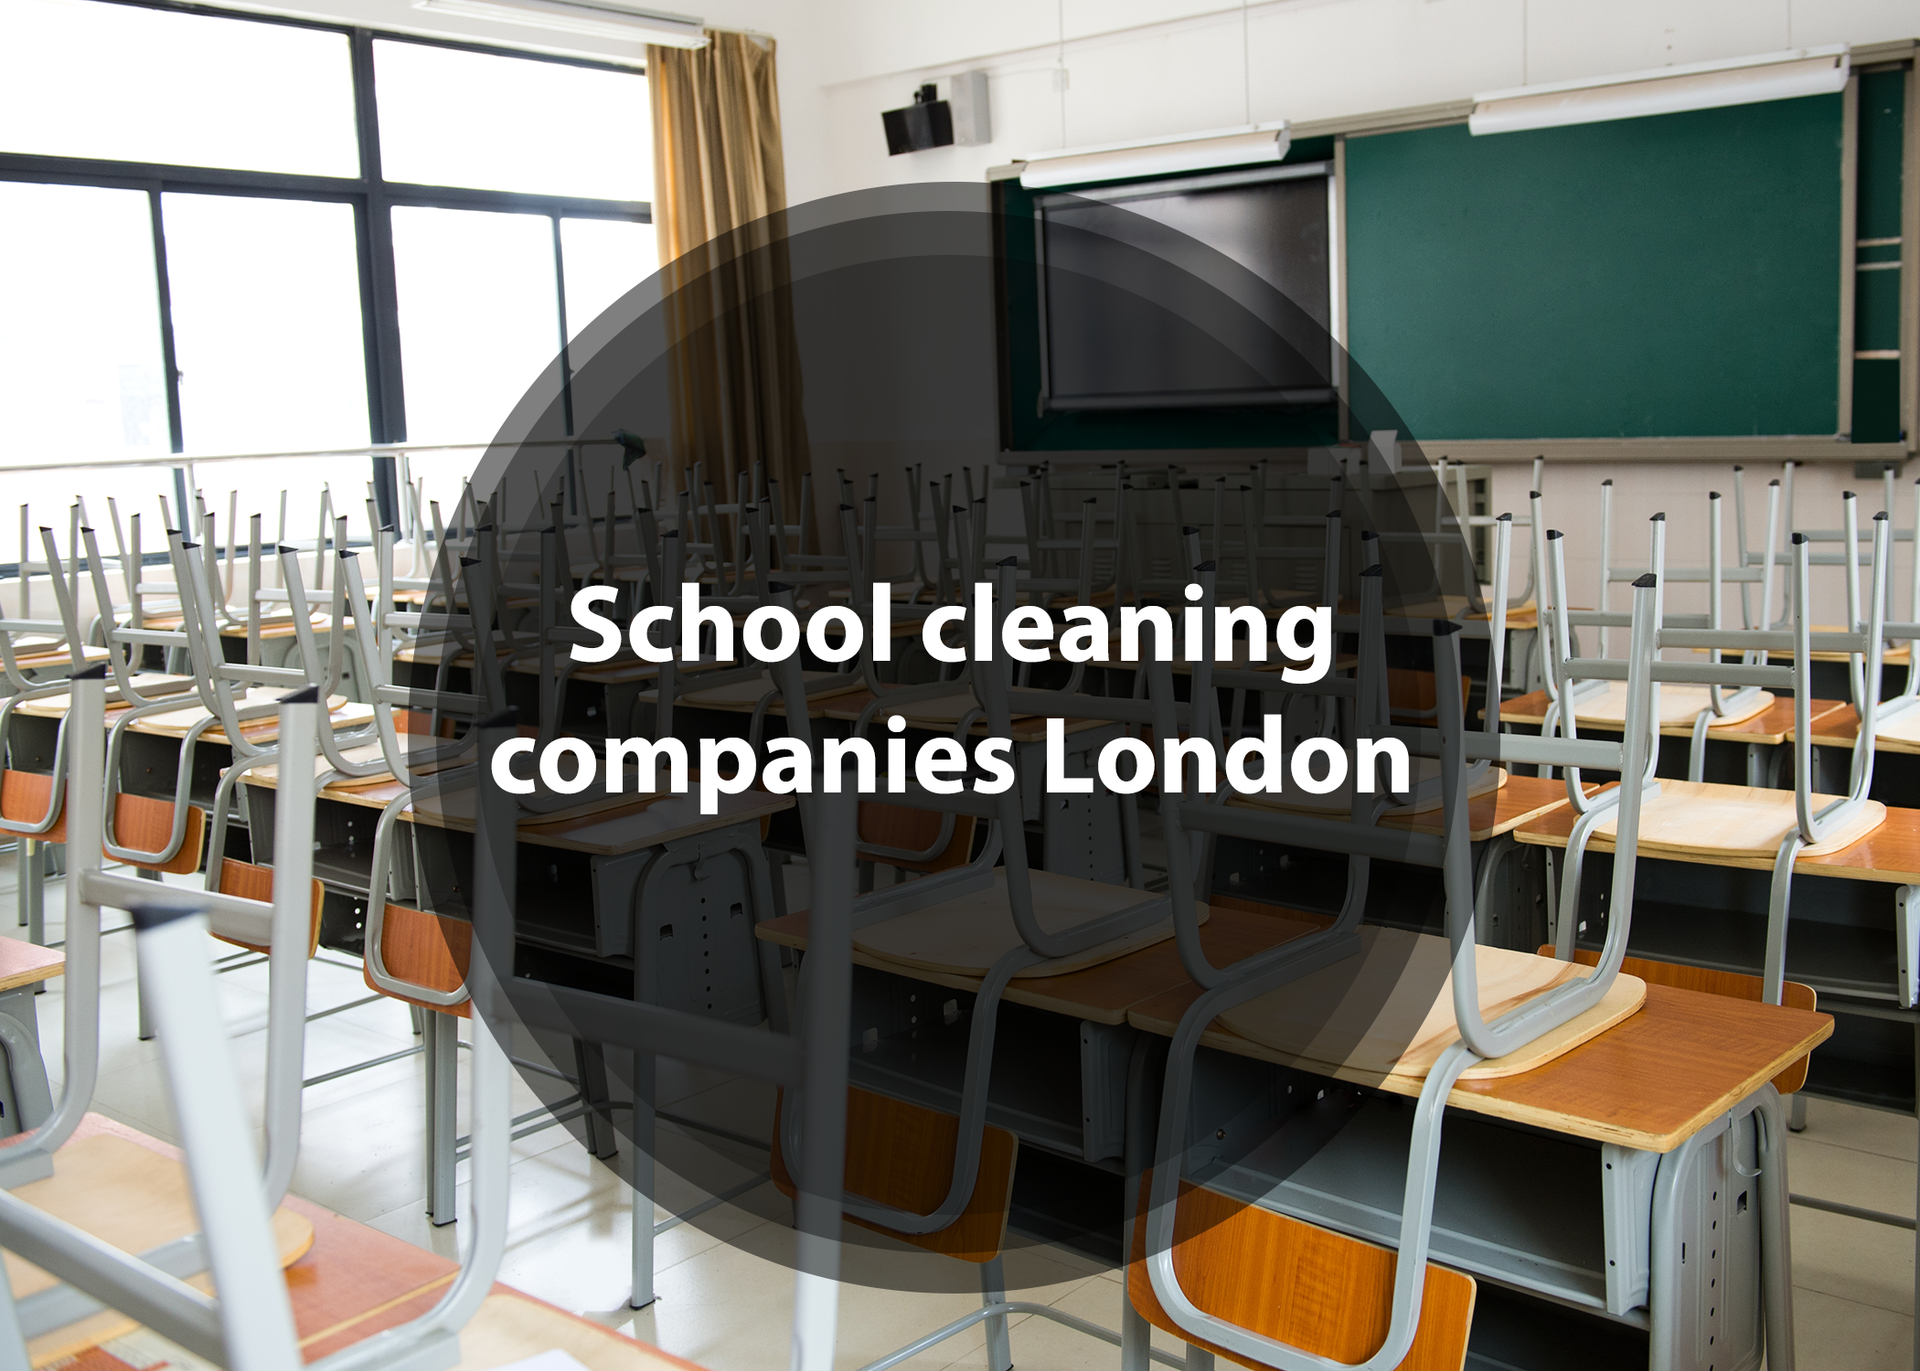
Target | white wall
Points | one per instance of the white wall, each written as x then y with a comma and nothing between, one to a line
1136,68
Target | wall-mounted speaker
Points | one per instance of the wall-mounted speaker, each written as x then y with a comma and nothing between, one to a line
930,122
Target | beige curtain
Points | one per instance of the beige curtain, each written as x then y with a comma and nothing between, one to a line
719,204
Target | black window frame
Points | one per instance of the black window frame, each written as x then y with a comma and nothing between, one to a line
372,198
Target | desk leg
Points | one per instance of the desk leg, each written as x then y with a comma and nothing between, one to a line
442,1056
640,1146
30,888
1756,766
1142,1114
1776,1246
590,1063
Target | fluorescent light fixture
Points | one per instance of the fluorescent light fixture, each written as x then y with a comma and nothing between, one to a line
589,18
1238,147
1664,90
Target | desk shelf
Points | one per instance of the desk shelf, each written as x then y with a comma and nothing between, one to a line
1513,1205
916,1054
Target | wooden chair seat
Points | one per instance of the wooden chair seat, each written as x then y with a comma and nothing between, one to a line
252,882
1701,819
1680,705
1296,1282
428,950
1732,984
363,753
342,714
133,1198
139,821
901,1154
966,935
1903,727
1339,802
157,687
1388,1011
511,1327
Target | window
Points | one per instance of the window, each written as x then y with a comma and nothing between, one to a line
455,118
84,79
266,323
80,360
602,256
196,258
478,316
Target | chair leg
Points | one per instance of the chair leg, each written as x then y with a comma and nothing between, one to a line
1776,1249
1199,1359
590,1065
139,986
1797,1113
640,1176
36,912
993,1290
442,1054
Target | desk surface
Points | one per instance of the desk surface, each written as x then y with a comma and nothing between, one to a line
1773,725
1841,728
355,1281
1651,1082
22,963
1104,993
1521,800
651,821
1890,854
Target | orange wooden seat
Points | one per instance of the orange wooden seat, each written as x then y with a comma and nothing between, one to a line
428,950
902,1155
138,820
1731,984
252,882
1297,1283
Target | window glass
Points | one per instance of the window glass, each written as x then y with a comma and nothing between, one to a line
479,317
266,323
80,362
84,78
602,260
455,118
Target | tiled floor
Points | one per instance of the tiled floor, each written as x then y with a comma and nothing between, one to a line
725,1298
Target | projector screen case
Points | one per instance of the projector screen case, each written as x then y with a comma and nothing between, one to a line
1705,85
1159,158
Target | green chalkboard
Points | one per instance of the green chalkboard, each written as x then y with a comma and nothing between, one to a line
1673,276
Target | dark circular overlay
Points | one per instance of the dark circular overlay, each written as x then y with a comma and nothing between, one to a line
891,334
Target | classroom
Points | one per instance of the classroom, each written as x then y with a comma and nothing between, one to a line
846,685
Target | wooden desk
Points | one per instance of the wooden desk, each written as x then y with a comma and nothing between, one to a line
1494,814
353,1281
23,964
1651,1082
1103,994
1890,854
1771,727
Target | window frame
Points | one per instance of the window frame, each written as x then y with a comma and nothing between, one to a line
372,198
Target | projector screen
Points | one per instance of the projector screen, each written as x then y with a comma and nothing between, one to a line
1138,309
